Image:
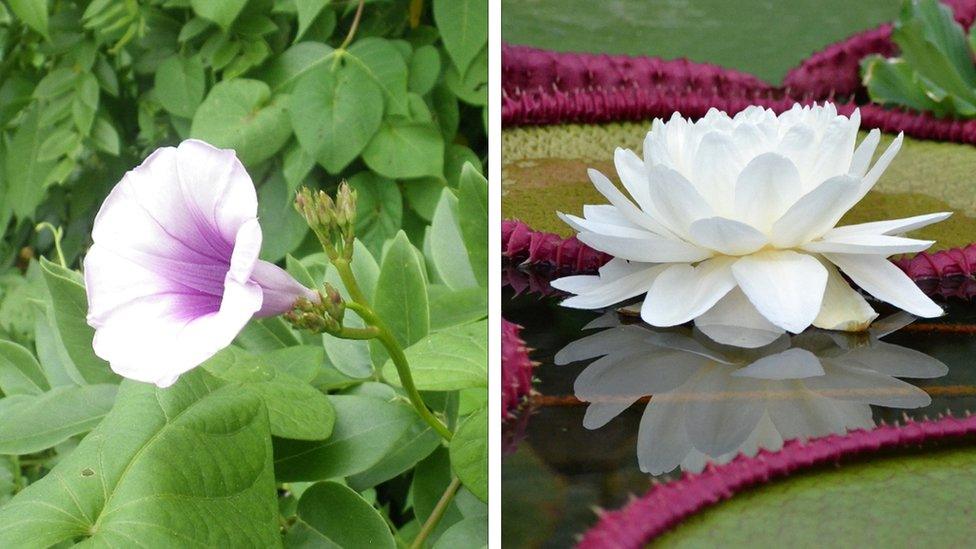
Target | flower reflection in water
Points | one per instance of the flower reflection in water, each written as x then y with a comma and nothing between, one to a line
709,402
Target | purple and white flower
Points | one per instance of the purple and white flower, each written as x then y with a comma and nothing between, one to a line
173,274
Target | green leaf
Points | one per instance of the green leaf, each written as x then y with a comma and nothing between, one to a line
379,209
266,334
470,86
473,218
863,501
416,443
425,68
401,296
350,356
469,453
288,229
184,466
335,114
468,532
295,409
431,478
452,307
180,85
423,195
70,308
20,374
240,114
105,137
365,430
283,71
31,12
463,25
308,10
940,28
383,64
222,12
454,358
53,357
36,422
26,172
339,516
301,361
447,245
402,149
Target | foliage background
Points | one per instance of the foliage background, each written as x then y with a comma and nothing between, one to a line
395,104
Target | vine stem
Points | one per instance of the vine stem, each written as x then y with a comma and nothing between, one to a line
436,514
354,26
359,304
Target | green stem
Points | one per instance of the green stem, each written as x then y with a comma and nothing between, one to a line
358,333
393,348
436,514
355,25
57,233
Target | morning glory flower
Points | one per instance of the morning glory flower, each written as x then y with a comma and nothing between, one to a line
731,223
173,274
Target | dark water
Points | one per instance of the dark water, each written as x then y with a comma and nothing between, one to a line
584,444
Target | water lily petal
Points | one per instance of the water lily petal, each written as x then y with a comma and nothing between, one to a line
843,308
682,292
814,213
677,202
611,289
785,286
651,249
633,175
870,178
864,153
765,189
623,204
794,363
868,244
836,149
889,227
726,236
882,279
717,165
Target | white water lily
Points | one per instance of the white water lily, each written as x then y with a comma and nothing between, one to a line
731,223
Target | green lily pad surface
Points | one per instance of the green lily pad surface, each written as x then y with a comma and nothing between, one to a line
544,171
900,501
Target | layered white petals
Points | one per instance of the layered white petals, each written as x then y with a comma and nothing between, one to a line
882,245
682,292
890,227
618,281
843,308
762,190
785,286
766,188
882,279
726,236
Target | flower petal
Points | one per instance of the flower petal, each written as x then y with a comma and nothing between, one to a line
280,289
766,188
623,204
682,292
612,289
836,149
633,175
815,213
652,249
870,178
868,244
735,321
890,227
716,167
786,287
843,308
864,153
726,236
676,200
882,279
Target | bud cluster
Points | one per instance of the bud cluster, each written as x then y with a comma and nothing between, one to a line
332,221
322,316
